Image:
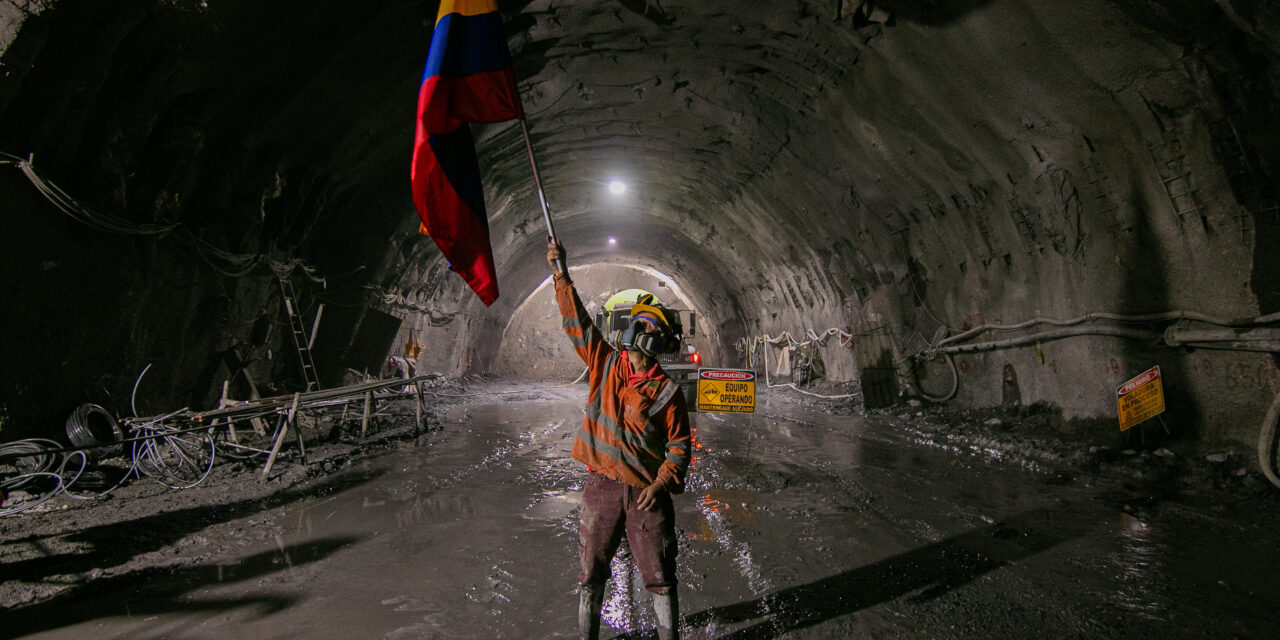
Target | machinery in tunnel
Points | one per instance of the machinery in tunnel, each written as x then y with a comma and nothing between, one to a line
534,347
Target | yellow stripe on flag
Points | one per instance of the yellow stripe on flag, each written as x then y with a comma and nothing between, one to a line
466,7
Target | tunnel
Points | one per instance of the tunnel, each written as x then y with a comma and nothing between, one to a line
960,205
795,168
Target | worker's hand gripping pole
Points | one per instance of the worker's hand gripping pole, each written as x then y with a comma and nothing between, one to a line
561,267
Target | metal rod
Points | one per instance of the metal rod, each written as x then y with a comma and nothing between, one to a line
542,197
315,326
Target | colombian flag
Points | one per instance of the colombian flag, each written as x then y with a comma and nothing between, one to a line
468,79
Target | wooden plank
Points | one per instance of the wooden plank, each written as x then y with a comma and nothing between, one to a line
368,404
418,411
284,428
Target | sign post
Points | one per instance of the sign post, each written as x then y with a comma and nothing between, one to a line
1140,399
727,390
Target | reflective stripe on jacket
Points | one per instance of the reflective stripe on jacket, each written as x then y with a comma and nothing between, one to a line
637,434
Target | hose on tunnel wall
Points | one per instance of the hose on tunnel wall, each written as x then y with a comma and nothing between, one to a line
955,382
1044,336
948,352
814,338
232,265
1267,442
1150,317
1267,432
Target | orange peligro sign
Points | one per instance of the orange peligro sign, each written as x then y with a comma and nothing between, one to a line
1140,399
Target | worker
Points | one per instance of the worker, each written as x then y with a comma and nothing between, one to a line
635,443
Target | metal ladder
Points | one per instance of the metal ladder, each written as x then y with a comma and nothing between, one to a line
299,336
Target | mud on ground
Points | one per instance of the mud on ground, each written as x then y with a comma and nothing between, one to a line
71,547
142,526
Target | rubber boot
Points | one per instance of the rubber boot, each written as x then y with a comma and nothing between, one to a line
590,597
667,609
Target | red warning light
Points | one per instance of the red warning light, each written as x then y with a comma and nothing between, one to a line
695,357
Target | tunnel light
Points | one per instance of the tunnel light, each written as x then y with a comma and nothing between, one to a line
613,241
617,187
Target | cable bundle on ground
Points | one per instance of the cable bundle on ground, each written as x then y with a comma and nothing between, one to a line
92,426
39,468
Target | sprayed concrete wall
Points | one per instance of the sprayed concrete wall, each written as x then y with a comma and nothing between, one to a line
793,165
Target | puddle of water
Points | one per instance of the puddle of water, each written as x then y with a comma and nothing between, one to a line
1141,560
554,505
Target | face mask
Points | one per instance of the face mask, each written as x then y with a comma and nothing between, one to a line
634,338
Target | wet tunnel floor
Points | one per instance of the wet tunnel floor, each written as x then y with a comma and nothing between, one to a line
796,524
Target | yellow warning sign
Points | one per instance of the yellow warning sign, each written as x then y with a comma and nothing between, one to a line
727,390
1140,399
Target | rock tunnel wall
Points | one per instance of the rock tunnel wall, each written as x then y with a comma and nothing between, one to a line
194,117
794,165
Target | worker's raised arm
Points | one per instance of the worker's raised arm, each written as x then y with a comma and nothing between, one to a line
586,339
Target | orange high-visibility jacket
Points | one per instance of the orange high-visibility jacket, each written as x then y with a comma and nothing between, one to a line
637,434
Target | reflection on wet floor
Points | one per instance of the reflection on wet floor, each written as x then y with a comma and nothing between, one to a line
794,524
554,505
1141,563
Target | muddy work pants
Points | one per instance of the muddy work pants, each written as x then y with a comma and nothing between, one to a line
608,511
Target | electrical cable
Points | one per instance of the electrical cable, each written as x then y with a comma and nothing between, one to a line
82,214
81,432
951,393
172,461
7,486
132,472
158,452
40,466
133,397
434,318
240,264
1115,332
1142,318
36,450
1267,443
769,385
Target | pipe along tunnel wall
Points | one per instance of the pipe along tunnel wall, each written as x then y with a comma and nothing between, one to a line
793,166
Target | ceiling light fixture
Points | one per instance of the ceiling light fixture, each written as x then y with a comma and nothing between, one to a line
617,187
613,241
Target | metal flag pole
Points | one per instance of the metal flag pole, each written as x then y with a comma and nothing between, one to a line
542,197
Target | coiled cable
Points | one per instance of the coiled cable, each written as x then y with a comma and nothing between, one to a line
33,467
175,460
92,426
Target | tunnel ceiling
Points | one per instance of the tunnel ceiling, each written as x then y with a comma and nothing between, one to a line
795,164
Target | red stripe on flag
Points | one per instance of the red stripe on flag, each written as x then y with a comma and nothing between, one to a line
462,236
445,102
